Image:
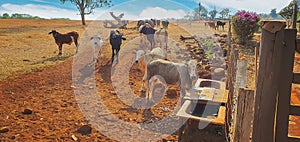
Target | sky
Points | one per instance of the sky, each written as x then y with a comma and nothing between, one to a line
135,9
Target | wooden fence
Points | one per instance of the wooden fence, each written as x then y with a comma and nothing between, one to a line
275,78
263,115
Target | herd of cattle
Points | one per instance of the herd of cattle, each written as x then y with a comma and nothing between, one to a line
154,61
216,25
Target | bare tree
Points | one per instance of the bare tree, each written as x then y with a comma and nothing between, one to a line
213,14
87,7
224,13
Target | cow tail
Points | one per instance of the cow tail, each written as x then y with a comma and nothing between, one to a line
75,37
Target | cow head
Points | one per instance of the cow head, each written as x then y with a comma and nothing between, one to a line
116,34
138,55
192,65
96,40
53,32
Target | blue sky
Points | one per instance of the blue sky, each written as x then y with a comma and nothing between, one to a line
135,9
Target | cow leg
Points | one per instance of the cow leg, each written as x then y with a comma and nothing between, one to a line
113,55
147,92
143,84
60,49
95,58
144,79
76,43
100,51
118,49
182,90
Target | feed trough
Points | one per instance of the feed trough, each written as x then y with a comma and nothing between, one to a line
206,102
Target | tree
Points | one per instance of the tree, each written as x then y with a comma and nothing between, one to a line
273,13
200,12
213,14
87,7
5,16
224,13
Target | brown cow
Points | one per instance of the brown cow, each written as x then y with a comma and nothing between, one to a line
61,39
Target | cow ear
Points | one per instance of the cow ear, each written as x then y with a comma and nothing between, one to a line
50,33
91,38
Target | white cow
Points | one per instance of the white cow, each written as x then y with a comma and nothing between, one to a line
161,39
182,74
97,43
157,88
145,56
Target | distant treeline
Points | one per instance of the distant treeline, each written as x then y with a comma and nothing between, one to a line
26,16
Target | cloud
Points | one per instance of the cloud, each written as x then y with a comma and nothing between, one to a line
147,13
42,11
161,13
259,6
48,12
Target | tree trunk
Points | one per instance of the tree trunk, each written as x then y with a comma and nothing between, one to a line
82,12
82,18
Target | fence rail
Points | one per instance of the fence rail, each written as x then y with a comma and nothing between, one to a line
296,78
295,110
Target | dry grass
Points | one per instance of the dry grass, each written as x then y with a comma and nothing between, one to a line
26,46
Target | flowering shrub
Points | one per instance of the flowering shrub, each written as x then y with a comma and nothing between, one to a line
244,25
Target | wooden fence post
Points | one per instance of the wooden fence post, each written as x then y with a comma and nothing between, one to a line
234,55
267,83
241,75
285,84
244,115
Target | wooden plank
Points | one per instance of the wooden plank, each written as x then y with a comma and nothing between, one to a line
285,84
241,75
256,60
296,78
293,139
267,83
294,110
244,115
231,80
298,45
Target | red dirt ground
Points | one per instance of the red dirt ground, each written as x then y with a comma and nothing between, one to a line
49,93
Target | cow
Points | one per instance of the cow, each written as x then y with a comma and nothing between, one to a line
211,24
222,24
97,43
140,23
149,32
115,40
182,74
157,88
165,24
145,56
161,39
67,38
